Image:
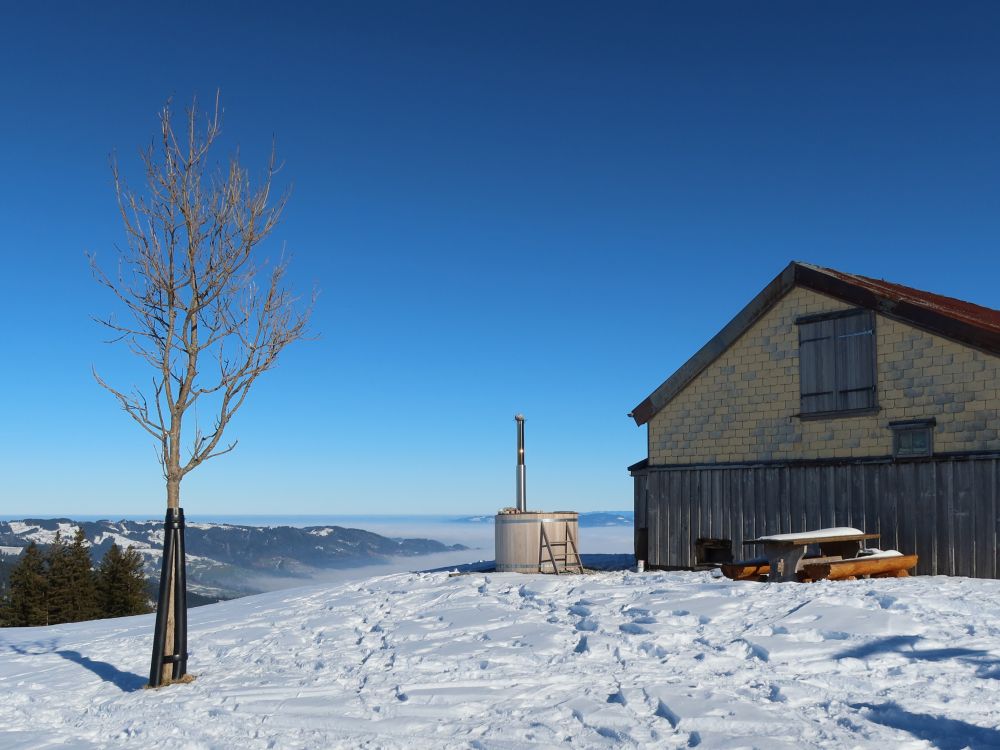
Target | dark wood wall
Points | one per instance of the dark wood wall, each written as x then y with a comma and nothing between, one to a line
943,509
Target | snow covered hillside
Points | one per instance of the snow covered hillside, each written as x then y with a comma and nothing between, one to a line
225,561
425,660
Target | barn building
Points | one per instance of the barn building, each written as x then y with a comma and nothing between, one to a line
830,400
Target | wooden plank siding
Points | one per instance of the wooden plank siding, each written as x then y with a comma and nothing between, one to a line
943,509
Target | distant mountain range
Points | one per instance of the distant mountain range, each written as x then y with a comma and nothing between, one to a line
589,519
225,560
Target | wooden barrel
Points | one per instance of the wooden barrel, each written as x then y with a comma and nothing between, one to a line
518,540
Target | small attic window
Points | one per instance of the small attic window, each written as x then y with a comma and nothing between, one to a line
837,363
912,438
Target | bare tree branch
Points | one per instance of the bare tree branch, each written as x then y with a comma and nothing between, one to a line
197,311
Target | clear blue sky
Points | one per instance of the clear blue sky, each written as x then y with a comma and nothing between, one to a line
537,207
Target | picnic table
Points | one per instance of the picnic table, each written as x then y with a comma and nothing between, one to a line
785,552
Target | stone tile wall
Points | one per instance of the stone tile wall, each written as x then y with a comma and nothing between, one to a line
744,406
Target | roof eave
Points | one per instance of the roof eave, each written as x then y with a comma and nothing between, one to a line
745,318
920,316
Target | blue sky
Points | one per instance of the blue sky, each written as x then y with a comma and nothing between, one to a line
537,207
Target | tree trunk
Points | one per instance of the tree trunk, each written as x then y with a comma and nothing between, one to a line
173,492
168,636
167,642
173,501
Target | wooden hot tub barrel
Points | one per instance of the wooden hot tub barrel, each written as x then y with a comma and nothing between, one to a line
518,538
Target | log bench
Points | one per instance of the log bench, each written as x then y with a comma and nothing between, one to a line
875,566
819,569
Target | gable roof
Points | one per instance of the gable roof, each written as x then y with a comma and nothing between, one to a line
960,321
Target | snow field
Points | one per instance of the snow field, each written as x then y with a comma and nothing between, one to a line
665,660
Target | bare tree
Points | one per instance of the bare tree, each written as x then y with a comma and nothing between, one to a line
201,310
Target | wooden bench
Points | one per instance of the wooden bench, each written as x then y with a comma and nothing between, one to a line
841,558
784,552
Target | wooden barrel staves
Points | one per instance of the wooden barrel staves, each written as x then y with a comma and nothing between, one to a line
518,540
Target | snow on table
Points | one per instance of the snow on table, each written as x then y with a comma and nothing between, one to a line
838,531
612,660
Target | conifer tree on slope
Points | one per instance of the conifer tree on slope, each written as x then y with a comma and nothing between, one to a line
121,585
57,582
83,585
6,566
26,599
72,590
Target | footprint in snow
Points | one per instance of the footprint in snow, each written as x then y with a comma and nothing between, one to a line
664,712
633,629
885,601
616,735
638,617
659,652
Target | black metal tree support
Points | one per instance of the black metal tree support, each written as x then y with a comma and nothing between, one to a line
173,563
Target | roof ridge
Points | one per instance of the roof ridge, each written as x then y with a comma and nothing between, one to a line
965,322
917,294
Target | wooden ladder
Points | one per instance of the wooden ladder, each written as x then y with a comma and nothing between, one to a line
568,548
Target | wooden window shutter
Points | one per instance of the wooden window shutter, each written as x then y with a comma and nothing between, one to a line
855,344
837,362
817,366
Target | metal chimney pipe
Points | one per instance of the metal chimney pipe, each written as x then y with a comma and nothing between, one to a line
521,492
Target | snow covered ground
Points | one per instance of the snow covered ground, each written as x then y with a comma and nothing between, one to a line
424,660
